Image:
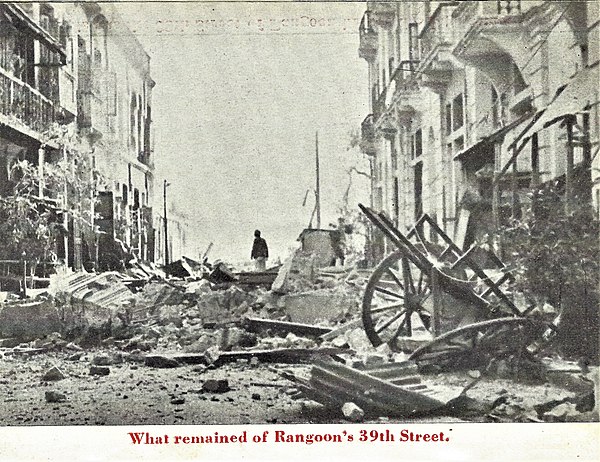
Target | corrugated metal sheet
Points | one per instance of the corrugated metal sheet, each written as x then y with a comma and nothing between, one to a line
334,384
104,289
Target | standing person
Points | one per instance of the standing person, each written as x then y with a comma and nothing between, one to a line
260,252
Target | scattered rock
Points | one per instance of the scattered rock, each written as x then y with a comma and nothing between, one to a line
55,397
512,411
352,412
178,400
372,359
102,360
291,391
75,357
162,362
53,374
503,369
474,374
200,345
99,370
216,385
385,350
465,406
565,412
73,346
340,342
211,355
256,396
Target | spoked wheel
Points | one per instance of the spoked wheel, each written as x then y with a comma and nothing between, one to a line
397,296
473,344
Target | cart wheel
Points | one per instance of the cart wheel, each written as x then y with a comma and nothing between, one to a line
396,291
474,342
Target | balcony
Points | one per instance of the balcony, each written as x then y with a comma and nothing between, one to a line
403,80
437,41
469,12
484,27
368,138
368,38
22,106
383,13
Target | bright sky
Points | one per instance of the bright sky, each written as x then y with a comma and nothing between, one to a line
241,90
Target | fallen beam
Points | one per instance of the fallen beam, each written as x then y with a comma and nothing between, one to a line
259,324
333,333
283,356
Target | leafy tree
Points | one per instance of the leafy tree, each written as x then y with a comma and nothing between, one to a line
556,257
30,225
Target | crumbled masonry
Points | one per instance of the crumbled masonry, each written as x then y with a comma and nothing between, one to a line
227,339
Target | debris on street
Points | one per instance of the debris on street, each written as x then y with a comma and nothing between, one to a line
308,333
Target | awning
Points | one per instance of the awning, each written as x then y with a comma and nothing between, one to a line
577,95
505,134
37,31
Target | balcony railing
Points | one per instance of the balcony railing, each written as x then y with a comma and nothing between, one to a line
470,12
439,31
25,104
404,72
368,37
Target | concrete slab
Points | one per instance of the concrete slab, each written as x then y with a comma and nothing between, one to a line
310,307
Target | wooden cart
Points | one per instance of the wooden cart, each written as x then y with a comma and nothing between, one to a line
430,289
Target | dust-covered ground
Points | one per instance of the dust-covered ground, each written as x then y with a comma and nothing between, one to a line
135,394
72,361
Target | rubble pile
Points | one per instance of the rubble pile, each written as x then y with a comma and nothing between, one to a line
310,321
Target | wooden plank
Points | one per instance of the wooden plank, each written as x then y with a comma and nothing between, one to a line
282,355
464,256
342,329
259,324
499,282
460,232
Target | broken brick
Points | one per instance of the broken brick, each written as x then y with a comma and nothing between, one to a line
55,397
53,374
99,370
162,362
216,385
352,412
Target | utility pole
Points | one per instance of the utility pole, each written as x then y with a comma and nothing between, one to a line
318,189
165,184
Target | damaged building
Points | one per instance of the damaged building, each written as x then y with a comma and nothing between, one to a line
76,70
475,104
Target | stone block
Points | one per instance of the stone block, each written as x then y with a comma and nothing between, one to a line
29,320
216,386
352,412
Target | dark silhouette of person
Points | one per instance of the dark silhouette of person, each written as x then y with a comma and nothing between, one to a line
260,252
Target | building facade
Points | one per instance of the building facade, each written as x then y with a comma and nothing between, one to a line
178,231
76,68
474,103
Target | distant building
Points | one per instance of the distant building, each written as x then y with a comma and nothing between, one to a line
78,65
177,237
479,102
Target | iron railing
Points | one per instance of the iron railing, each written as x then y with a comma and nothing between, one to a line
27,105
